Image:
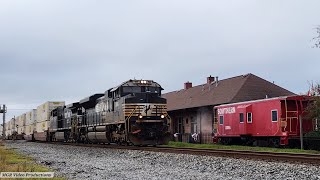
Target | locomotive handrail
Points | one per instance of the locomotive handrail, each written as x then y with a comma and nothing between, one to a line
131,113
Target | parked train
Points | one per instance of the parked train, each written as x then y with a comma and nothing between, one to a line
131,113
267,122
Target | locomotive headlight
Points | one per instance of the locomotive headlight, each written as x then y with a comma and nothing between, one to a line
140,116
162,116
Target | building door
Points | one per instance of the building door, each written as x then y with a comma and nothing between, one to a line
242,122
180,129
180,125
193,125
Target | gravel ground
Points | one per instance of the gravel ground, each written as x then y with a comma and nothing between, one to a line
97,163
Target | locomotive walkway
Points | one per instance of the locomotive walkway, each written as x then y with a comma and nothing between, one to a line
244,154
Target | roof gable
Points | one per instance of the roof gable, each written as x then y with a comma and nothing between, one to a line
235,89
258,88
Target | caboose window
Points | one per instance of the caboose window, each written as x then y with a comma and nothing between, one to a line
249,117
274,114
221,119
241,118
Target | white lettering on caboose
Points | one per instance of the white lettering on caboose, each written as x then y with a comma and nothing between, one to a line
229,110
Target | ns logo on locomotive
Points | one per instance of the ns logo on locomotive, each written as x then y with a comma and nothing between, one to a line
131,113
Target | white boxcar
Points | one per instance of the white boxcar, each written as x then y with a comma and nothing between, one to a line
13,125
30,123
43,119
11,129
31,119
7,129
43,114
21,124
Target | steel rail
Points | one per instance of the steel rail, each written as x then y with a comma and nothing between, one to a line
238,154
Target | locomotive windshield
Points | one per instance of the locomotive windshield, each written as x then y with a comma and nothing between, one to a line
131,89
140,89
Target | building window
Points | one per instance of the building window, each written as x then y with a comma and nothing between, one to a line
241,118
274,115
221,119
249,117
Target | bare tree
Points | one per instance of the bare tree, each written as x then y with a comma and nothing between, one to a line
313,109
317,38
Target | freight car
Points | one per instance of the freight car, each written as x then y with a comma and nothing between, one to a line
131,113
20,125
30,124
267,122
12,129
41,126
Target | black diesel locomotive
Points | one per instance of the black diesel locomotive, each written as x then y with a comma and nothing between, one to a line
131,113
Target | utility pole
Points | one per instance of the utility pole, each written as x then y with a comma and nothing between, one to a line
301,132
3,110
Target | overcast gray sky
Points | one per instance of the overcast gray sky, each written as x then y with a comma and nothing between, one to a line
67,50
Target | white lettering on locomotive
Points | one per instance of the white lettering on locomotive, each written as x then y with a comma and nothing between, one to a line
229,110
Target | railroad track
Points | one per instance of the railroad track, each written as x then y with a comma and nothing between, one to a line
268,156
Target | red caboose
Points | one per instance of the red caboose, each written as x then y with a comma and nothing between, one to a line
272,121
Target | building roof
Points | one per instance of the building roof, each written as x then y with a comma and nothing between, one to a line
236,89
248,103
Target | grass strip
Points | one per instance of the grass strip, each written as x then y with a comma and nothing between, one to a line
11,161
237,147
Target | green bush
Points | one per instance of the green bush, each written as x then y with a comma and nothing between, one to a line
313,134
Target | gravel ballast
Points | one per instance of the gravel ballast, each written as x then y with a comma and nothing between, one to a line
74,162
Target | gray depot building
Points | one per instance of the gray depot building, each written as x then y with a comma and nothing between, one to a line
191,108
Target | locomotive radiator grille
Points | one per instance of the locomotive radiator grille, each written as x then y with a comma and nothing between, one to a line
147,109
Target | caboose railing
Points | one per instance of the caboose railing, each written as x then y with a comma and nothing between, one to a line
215,124
290,116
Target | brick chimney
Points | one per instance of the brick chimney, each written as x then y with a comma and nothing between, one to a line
187,85
210,79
